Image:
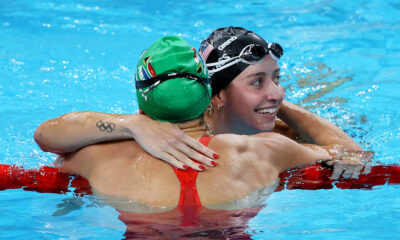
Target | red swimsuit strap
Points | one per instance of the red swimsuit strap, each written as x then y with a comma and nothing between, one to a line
187,178
205,140
189,201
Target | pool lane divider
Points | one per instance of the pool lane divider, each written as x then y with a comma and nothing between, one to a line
316,177
50,180
45,180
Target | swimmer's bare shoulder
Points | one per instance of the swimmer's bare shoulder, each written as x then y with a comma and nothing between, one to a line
124,169
287,153
279,151
247,159
240,170
246,164
108,155
85,159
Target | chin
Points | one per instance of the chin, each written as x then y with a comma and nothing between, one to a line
267,127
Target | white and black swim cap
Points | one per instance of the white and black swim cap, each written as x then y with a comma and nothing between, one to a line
229,51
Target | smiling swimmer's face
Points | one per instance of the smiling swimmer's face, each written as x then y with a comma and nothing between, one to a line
252,100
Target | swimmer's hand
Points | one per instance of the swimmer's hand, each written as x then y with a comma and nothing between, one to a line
348,164
162,140
167,142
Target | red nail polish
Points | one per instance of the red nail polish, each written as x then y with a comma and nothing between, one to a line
202,167
186,167
216,156
214,163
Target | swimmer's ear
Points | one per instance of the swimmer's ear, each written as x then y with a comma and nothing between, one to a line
219,99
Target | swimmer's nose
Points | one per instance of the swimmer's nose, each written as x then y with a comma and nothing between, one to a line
275,93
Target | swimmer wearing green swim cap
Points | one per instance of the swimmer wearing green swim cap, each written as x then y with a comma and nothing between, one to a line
167,73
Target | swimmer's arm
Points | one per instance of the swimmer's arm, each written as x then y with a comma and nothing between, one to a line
163,140
343,162
282,128
314,129
75,130
284,153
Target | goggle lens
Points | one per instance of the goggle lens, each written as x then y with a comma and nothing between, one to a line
275,50
254,53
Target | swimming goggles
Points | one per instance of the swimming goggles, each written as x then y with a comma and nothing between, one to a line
251,54
155,81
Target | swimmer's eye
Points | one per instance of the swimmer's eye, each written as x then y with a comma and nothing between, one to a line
277,79
257,82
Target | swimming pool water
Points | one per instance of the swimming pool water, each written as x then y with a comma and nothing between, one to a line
341,61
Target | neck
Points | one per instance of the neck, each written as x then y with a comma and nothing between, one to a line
216,122
221,123
194,128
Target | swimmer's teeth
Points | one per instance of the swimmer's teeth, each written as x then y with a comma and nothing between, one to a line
266,110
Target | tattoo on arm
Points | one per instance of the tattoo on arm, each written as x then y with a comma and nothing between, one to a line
105,126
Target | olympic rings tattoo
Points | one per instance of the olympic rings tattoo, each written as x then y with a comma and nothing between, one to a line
105,126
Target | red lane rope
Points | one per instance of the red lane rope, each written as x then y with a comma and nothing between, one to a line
51,180
45,179
316,177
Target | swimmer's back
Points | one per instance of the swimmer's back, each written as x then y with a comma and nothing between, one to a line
246,164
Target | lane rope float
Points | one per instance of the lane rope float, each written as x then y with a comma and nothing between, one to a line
50,180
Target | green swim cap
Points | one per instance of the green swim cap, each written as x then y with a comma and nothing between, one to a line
172,81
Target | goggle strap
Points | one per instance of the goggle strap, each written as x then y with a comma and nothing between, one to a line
273,56
223,66
231,58
151,87
212,71
221,62
153,82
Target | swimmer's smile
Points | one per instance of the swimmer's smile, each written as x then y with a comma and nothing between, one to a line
269,113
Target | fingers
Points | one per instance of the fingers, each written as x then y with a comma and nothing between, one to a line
337,171
194,155
347,170
178,160
179,156
192,143
173,161
352,171
170,144
356,171
367,169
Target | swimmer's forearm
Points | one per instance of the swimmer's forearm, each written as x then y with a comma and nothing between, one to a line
75,130
162,140
313,128
285,153
282,128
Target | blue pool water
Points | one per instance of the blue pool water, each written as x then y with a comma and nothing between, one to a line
341,61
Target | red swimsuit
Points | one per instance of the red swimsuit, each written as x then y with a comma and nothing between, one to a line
189,196
189,202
